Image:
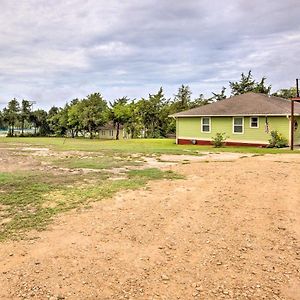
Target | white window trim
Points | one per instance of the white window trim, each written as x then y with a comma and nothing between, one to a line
242,125
209,118
251,122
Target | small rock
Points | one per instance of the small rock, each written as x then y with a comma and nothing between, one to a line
165,277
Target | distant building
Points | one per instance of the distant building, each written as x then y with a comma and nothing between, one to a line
109,132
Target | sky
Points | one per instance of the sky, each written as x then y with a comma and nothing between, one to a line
54,51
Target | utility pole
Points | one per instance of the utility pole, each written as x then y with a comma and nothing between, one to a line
293,100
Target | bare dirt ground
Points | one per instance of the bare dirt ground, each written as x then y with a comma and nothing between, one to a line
230,230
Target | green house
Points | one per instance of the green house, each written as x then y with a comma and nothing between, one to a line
245,119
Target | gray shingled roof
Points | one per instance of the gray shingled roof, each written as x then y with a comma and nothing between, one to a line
245,104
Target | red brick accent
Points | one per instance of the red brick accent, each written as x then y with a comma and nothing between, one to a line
203,142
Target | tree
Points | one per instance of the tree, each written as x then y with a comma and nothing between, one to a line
11,114
119,113
53,120
74,119
200,101
94,112
150,112
262,88
248,84
39,119
134,123
219,96
25,113
182,99
286,93
2,121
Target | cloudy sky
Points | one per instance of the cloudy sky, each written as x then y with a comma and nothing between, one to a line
54,51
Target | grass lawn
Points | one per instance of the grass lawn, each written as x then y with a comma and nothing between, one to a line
30,198
147,146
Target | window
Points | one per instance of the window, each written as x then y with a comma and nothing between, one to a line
238,125
205,124
111,133
254,122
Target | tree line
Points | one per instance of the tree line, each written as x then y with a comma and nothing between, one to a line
149,115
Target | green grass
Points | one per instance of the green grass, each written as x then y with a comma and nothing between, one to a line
106,162
30,200
147,146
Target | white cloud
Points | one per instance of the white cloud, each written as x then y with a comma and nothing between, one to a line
53,51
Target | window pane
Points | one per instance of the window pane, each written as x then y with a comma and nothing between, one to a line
238,128
205,121
254,122
205,128
238,121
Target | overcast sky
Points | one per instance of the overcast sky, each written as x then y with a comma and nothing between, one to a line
54,51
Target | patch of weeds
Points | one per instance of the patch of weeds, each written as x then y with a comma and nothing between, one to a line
107,162
30,200
153,173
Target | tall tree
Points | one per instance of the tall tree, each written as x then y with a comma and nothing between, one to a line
39,119
261,87
94,112
25,113
119,113
248,84
134,123
75,123
11,114
182,99
150,112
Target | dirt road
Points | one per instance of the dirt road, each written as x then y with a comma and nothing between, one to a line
230,230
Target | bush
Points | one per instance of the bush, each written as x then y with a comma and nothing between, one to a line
218,140
277,140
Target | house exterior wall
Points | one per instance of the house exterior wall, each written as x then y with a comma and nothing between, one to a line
189,128
110,134
297,132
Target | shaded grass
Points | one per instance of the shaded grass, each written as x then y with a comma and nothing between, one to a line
30,200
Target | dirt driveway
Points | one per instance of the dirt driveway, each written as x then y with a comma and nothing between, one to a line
230,230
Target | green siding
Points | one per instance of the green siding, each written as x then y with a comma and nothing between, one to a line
190,127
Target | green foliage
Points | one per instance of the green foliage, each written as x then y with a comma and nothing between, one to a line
153,114
25,113
39,120
219,139
11,115
144,118
286,93
120,113
277,140
219,96
93,112
248,84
